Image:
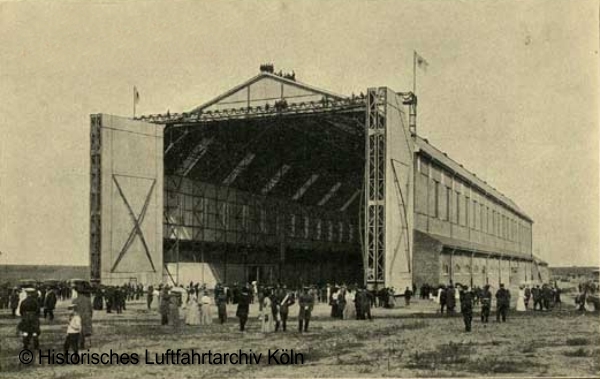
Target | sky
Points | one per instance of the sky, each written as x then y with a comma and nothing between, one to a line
511,92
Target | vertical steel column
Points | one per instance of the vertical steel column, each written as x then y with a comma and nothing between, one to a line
95,197
374,241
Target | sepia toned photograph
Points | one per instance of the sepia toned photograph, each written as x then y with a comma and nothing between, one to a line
299,189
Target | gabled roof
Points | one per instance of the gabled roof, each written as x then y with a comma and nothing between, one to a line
444,160
292,85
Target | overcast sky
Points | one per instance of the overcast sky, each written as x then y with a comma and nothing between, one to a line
511,92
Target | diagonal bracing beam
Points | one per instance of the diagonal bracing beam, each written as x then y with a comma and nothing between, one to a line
275,179
243,165
350,200
302,190
136,223
195,155
329,194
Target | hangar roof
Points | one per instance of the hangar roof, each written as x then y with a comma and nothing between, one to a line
335,117
264,88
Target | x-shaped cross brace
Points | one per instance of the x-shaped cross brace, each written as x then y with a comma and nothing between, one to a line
137,222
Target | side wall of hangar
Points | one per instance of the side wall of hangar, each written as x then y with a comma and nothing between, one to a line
277,181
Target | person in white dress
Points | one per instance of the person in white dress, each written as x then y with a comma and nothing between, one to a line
22,297
267,325
349,311
521,300
206,313
192,311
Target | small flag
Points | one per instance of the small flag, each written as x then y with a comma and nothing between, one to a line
136,95
421,62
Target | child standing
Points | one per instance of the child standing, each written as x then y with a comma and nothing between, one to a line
73,330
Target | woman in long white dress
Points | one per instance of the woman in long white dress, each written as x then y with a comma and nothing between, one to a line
521,300
192,311
205,311
349,311
267,325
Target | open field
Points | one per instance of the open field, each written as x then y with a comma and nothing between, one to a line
400,342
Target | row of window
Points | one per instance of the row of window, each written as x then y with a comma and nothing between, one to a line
450,199
210,214
461,210
476,269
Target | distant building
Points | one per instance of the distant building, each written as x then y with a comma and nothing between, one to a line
14,273
574,273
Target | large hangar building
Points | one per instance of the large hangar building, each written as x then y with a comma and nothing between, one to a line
279,181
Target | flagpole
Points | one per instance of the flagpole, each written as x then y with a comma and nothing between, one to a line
415,72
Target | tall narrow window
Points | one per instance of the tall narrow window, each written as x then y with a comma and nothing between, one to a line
482,217
474,222
448,200
437,199
467,205
457,208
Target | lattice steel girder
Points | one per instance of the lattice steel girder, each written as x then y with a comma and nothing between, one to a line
375,189
388,195
95,197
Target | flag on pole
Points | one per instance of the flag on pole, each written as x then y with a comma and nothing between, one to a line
421,62
136,99
136,95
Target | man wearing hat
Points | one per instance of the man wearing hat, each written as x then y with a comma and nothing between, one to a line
49,304
502,303
243,307
221,301
306,303
30,322
466,306
284,309
163,307
74,330
84,309
486,303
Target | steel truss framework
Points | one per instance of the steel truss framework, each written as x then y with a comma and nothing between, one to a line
374,232
326,105
95,198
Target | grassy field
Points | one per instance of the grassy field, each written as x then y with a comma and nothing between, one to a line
402,342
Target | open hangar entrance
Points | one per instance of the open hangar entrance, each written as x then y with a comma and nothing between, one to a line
274,181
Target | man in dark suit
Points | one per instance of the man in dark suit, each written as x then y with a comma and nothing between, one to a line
486,303
466,307
306,302
243,307
30,323
50,304
502,303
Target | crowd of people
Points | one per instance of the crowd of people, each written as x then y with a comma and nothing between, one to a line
543,298
192,305
195,301
47,296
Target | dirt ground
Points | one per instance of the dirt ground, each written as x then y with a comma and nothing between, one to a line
413,342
